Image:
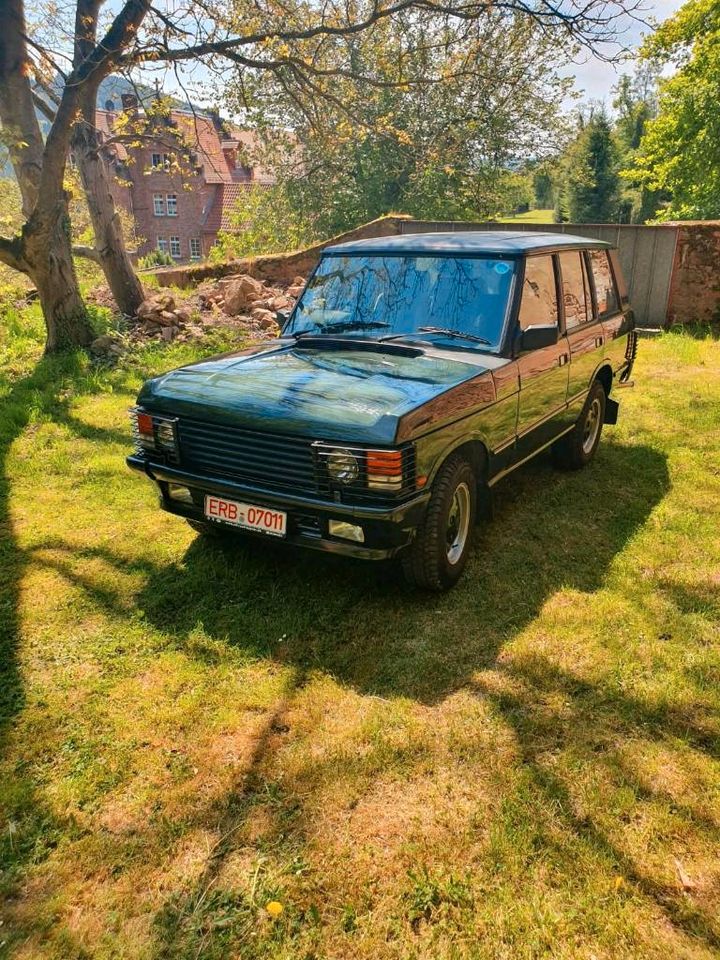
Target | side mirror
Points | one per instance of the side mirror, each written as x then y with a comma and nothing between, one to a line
539,336
282,317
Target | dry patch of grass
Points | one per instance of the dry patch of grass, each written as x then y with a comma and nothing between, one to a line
526,767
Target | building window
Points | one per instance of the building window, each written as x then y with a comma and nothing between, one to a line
172,204
174,246
195,252
158,205
162,244
160,161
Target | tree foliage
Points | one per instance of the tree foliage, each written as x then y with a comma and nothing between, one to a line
428,117
680,150
593,182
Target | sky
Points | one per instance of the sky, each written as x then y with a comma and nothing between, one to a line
595,78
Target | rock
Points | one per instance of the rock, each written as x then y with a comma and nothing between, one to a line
182,314
294,291
102,346
280,303
298,282
239,292
169,333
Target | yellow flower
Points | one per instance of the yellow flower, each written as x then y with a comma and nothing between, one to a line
274,908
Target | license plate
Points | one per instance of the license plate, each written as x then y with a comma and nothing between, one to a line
246,515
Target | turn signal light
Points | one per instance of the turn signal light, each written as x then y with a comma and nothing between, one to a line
144,424
384,469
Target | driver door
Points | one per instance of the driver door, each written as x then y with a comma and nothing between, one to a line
543,373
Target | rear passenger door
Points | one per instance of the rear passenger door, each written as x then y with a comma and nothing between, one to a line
584,330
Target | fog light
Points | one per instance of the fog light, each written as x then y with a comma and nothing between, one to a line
348,531
179,493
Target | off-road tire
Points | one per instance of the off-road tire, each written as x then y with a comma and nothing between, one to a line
426,564
571,451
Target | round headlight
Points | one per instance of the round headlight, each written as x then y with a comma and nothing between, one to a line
342,466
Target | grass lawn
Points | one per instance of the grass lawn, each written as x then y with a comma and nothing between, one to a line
526,767
532,216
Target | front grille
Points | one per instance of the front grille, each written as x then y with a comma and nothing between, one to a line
274,462
271,460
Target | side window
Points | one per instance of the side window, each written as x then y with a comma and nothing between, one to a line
576,291
539,296
605,292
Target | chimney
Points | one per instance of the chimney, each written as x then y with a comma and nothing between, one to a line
129,103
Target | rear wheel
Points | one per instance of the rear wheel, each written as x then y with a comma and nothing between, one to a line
439,552
578,447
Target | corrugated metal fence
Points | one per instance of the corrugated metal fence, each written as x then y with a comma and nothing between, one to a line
646,254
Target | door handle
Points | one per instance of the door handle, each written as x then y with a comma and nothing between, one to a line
563,359
599,341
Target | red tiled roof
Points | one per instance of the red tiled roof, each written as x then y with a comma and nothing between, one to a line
219,216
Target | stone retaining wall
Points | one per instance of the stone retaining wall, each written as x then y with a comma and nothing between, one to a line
279,268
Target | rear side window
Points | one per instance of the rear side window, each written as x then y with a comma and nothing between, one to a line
539,297
576,290
605,292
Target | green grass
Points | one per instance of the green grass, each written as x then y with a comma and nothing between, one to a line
532,216
523,768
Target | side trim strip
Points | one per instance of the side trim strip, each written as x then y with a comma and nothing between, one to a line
507,470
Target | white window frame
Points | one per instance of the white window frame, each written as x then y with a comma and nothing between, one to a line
172,198
162,244
159,205
195,248
175,248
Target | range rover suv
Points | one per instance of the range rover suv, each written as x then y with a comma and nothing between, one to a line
413,373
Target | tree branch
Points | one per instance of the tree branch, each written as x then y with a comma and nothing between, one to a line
11,253
89,253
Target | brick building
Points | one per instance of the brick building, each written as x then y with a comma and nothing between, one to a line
178,174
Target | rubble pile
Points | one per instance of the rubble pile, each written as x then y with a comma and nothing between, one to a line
239,302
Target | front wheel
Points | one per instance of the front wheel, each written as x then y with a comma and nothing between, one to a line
439,552
577,448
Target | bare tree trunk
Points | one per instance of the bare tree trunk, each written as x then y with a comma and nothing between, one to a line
43,250
47,253
124,284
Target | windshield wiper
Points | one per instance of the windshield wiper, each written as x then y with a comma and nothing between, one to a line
343,326
455,333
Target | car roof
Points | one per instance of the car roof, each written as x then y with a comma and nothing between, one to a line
497,242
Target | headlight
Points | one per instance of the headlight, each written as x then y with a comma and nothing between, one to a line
343,466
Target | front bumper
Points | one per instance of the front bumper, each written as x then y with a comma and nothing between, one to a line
388,530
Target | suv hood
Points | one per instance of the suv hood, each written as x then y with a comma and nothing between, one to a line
344,394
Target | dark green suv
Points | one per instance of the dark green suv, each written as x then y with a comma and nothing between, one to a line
413,373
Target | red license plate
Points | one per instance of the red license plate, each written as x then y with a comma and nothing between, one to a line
246,515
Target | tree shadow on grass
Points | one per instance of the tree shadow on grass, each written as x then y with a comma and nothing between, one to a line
29,831
360,625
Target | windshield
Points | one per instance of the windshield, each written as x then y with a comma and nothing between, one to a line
460,300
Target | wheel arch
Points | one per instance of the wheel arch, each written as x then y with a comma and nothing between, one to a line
604,375
474,450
